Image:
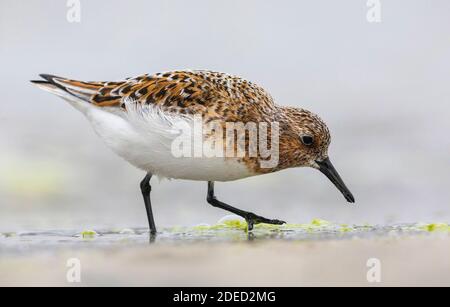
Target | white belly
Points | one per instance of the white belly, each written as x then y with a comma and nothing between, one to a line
146,143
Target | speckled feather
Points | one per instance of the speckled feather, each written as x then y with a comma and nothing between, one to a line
213,94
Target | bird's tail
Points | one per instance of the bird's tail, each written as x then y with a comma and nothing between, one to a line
71,90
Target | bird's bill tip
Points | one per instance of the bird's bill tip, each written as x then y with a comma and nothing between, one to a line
349,197
327,168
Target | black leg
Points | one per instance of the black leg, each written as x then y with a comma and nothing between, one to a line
146,189
251,218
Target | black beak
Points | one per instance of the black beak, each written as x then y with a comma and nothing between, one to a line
327,168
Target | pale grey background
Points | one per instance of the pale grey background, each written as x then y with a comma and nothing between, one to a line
382,88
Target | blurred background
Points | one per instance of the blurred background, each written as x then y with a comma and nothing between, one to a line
383,88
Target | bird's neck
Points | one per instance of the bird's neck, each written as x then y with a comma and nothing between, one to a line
284,118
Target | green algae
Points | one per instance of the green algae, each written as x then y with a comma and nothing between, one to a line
345,228
233,223
88,234
436,227
317,228
230,224
320,223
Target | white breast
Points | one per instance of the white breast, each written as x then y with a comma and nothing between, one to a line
144,136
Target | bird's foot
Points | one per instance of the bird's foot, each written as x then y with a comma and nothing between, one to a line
253,219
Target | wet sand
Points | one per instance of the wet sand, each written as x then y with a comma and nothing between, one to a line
306,255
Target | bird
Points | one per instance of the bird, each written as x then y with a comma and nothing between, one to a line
141,118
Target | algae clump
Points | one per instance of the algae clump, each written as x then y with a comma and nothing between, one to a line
88,234
345,228
228,222
232,222
436,227
320,223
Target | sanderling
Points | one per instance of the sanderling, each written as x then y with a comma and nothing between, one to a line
139,119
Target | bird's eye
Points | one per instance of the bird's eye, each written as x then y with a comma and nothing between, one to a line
307,140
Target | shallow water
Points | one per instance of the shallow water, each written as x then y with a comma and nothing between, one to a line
226,231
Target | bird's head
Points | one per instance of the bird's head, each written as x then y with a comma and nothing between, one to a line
304,140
